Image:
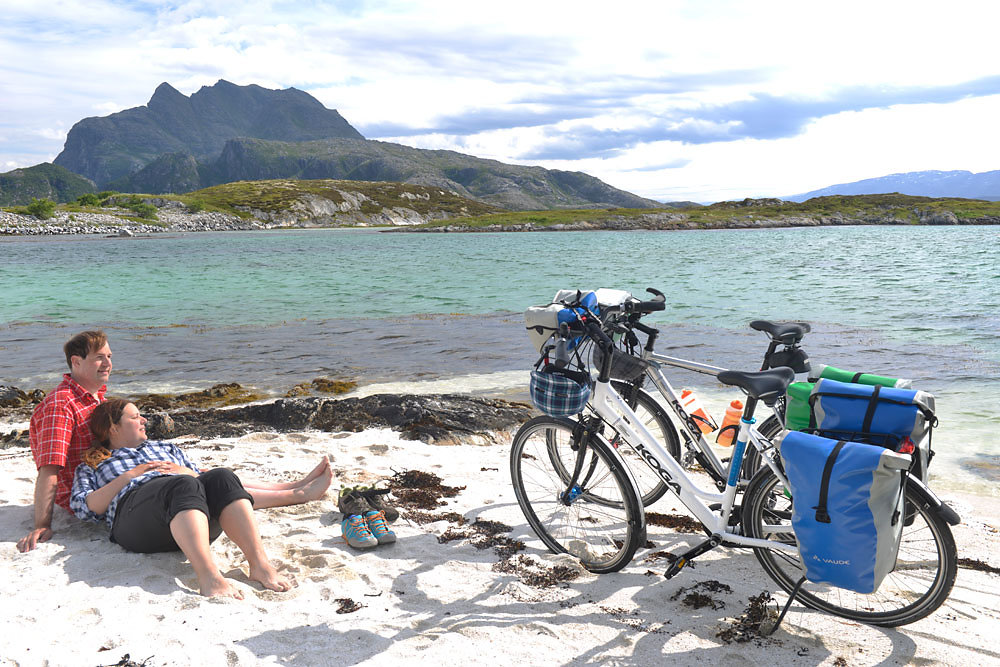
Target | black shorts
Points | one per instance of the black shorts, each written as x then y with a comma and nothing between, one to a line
142,522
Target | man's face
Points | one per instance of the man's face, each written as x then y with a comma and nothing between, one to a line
93,371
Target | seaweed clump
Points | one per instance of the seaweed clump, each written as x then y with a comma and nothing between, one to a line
755,622
535,574
414,489
678,522
323,386
220,395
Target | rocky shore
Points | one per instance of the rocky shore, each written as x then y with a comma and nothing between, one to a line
172,216
669,221
119,224
435,419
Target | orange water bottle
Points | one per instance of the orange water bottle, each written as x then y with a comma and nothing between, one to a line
730,424
693,407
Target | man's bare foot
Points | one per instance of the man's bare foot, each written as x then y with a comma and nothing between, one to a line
268,577
218,587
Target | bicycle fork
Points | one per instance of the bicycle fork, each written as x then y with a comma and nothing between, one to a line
575,486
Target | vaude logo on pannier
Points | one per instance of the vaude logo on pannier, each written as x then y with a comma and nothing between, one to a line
830,561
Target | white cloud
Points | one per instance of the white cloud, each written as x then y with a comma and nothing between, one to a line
641,72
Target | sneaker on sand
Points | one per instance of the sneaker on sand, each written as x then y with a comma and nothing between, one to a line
355,532
376,524
376,498
351,502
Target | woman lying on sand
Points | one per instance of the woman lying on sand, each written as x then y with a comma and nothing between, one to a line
154,499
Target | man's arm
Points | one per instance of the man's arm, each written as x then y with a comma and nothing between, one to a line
45,495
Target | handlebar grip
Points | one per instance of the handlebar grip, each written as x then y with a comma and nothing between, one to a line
598,335
650,306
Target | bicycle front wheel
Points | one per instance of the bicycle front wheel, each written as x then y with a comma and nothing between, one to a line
651,415
920,583
597,517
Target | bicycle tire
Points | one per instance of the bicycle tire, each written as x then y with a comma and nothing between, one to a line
603,536
920,583
651,415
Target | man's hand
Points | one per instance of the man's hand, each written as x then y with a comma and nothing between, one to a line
45,493
29,541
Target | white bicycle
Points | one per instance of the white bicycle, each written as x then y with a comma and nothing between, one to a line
580,497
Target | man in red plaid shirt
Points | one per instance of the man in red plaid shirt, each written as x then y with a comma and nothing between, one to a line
60,429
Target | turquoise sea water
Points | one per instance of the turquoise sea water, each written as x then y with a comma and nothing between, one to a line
275,308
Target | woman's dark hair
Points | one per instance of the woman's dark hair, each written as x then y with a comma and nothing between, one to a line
104,416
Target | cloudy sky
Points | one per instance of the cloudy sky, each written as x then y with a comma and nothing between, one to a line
674,100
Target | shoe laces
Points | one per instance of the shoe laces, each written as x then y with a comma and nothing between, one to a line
377,522
357,522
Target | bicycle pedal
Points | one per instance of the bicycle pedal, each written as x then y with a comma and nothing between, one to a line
682,561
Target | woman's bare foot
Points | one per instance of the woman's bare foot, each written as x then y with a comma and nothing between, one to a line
321,469
268,577
316,489
218,587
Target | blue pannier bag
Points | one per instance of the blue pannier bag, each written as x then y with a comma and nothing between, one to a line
877,415
847,504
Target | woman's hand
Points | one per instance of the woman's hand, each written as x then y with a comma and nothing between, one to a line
162,467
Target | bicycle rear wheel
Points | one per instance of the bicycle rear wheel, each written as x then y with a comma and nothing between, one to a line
920,583
598,519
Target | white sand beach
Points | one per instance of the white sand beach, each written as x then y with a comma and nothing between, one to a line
82,600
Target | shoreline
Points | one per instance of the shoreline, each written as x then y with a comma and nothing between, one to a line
443,593
66,223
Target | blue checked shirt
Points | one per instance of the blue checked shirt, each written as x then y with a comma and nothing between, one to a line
87,479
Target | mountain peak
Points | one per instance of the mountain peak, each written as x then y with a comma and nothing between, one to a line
164,92
113,147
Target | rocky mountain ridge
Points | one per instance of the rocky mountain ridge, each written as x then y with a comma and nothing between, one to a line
225,133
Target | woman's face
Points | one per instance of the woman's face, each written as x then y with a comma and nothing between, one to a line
130,431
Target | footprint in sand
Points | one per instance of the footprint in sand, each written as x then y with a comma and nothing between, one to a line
92,615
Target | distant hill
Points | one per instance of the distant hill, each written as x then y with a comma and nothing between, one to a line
43,181
508,186
962,184
225,133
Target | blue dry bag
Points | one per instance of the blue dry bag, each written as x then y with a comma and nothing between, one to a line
877,415
847,503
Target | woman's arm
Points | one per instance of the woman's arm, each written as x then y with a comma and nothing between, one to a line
87,499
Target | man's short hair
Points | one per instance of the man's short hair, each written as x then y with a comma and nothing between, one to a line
83,344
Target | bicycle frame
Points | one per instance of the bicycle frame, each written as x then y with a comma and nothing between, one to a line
693,437
615,411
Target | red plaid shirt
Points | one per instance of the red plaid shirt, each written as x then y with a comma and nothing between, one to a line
60,432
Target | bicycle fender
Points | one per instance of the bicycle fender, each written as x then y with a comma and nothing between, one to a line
930,501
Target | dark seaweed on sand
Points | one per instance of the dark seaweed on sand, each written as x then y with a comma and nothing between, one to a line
678,522
754,623
415,489
127,661
347,605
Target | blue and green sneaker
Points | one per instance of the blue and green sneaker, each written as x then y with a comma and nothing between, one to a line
355,532
376,524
